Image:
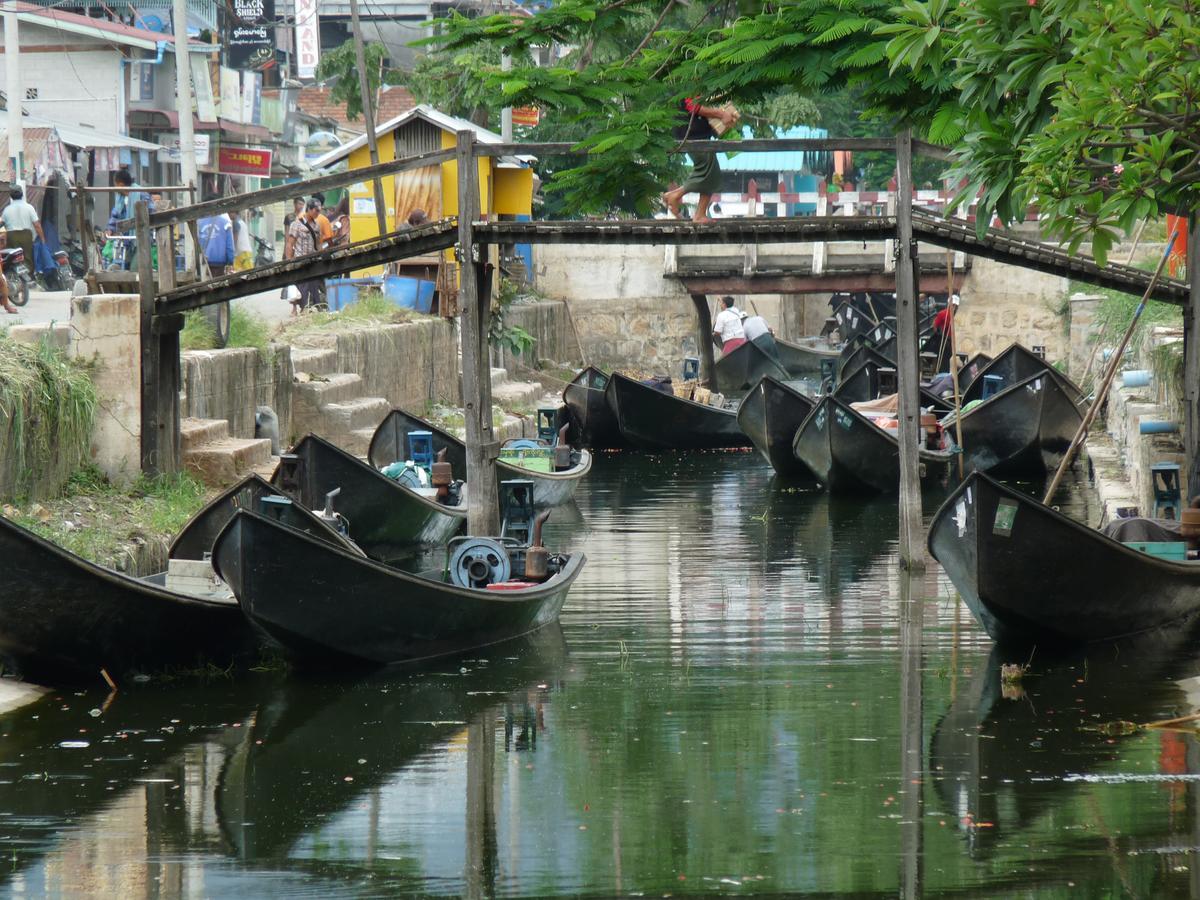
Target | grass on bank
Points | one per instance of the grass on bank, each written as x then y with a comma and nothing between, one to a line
245,330
99,521
47,410
371,308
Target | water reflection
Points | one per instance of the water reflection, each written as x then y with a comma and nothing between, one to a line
754,701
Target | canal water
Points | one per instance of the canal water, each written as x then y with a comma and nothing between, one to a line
744,698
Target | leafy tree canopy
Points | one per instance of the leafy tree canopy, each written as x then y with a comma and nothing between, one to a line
341,68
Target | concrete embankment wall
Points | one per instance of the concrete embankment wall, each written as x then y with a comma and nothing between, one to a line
628,314
549,323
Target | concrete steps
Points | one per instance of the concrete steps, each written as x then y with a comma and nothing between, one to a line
217,459
332,405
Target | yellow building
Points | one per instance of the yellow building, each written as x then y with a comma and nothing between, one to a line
505,183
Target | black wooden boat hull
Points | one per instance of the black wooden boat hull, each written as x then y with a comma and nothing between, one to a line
1023,431
592,422
1030,575
861,384
321,603
63,619
197,536
390,443
1015,364
850,454
800,361
769,415
652,420
736,371
386,519
851,322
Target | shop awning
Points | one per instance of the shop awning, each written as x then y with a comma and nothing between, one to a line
79,135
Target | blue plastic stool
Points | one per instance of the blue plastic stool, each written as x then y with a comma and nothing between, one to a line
992,385
1165,479
546,417
516,510
420,448
691,368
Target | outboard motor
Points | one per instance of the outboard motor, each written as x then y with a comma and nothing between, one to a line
537,557
477,562
562,450
333,519
441,476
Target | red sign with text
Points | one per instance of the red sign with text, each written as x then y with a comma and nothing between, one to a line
244,161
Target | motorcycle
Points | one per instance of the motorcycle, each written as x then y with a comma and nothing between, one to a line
16,273
264,253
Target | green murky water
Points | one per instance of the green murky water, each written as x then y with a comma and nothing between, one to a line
744,697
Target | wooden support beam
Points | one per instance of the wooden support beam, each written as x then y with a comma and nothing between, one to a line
1191,360
148,341
704,342
832,282
483,516
908,376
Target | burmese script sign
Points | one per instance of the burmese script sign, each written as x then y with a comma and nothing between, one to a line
244,161
250,42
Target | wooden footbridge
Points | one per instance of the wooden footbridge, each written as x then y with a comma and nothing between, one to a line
163,300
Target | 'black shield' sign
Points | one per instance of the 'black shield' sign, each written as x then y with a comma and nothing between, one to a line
250,42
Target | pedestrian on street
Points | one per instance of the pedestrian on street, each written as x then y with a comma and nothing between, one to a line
705,178
303,238
20,220
120,220
297,212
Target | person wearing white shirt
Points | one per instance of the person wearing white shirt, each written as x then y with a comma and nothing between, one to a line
758,332
727,328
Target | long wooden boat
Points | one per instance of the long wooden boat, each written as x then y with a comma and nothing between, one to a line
736,371
652,420
769,415
386,519
849,453
862,383
970,370
320,602
1031,575
802,361
1021,432
64,619
851,321
1016,363
390,443
593,424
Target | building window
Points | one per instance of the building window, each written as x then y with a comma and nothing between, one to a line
31,93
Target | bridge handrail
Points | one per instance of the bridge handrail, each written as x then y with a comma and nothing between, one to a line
256,199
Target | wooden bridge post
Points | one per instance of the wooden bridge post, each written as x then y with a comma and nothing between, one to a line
159,342
1191,359
704,344
912,554
483,516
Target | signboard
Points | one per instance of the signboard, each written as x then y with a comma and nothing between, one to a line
206,104
251,89
231,94
169,152
244,161
526,115
249,44
308,38
146,81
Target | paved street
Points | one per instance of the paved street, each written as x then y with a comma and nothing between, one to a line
47,306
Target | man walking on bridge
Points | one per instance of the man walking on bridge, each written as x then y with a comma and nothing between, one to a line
303,238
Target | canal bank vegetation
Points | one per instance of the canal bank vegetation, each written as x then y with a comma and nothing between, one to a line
245,330
124,528
47,408
371,308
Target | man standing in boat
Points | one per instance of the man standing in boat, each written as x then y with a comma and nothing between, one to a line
728,334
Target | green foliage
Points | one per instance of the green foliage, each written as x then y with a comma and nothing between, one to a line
341,67
370,309
245,330
198,333
47,409
513,338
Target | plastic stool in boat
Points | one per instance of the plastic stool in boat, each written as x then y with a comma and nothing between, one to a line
1165,480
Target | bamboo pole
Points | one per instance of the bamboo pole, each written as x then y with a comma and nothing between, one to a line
953,307
907,370
1102,393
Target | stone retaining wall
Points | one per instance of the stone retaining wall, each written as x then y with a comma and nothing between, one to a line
549,322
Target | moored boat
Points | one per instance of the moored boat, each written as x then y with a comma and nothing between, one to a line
1031,575
650,419
592,422
862,383
390,443
849,453
322,603
741,367
802,361
1021,432
1014,364
386,519
769,415
64,619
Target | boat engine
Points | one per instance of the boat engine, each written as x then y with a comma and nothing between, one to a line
516,510
477,562
562,450
334,520
441,476
537,557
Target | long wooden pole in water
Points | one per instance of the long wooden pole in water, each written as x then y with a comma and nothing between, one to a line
953,307
1102,393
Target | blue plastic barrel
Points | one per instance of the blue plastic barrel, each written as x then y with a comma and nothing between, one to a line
1157,426
1135,377
401,290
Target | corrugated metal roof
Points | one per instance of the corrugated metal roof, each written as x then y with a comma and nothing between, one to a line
79,135
781,161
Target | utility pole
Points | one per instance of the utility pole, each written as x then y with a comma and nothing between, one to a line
368,116
506,113
15,93
183,106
